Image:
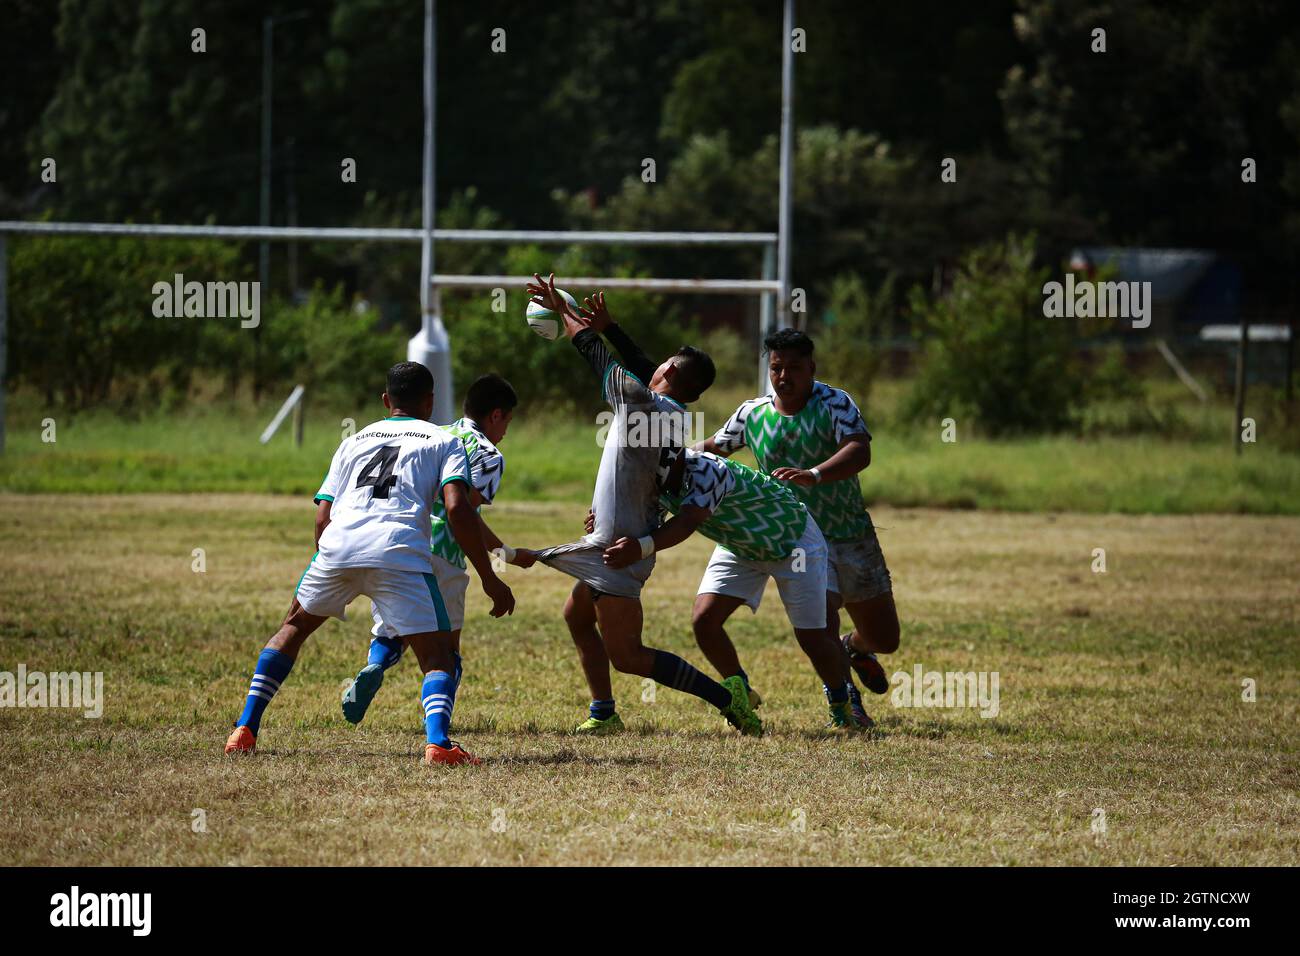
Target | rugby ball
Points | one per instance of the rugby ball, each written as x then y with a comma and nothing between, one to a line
545,322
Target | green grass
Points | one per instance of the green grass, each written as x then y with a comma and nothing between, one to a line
1119,691
552,457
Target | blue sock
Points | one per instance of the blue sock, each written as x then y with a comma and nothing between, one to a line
438,695
671,671
744,677
855,695
459,670
272,668
837,696
602,709
385,651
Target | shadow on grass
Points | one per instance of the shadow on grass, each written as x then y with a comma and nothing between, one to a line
563,757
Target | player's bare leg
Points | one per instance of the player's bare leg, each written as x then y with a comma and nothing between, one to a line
437,654
580,616
825,654
708,620
273,666
875,625
620,619
859,713
875,631
293,633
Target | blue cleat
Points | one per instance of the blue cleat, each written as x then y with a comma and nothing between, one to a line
359,694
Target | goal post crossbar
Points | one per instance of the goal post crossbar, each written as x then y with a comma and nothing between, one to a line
382,234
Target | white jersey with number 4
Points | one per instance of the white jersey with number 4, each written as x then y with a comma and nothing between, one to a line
383,483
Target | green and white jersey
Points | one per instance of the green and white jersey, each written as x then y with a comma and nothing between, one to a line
487,466
755,517
804,441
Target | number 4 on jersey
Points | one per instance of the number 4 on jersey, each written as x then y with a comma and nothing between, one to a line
378,472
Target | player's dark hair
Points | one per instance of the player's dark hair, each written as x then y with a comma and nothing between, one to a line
695,371
488,393
789,340
409,383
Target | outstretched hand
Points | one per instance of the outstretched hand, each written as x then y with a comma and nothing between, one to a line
593,309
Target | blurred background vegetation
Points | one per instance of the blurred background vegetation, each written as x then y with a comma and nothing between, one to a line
924,296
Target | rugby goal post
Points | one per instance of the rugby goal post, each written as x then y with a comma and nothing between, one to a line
432,345
768,288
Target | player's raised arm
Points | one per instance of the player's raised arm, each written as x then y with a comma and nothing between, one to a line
617,383
629,353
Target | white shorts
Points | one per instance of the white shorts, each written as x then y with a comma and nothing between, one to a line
800,579
584,561
453,582
408,600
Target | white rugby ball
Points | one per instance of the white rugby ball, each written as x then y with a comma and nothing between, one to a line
544,321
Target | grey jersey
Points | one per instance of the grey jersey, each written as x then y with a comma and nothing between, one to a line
643,438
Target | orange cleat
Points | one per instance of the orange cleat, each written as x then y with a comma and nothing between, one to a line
869,670
455,754
241,741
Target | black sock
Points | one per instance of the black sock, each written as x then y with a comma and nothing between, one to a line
671,671
837,695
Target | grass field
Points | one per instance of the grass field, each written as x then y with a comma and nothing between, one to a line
553,458
1119,692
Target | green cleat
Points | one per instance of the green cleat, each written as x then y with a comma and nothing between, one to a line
842,717
592,727
362,690
740,714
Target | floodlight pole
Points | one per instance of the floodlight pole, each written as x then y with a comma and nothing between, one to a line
4,323
426,210
264,204
431,347
766,308
1239,397
785,213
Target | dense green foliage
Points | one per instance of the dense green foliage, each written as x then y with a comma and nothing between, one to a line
991,359
1049,136
85,329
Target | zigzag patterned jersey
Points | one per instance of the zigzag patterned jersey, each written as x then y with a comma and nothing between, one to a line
802,441
755,517
486,466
